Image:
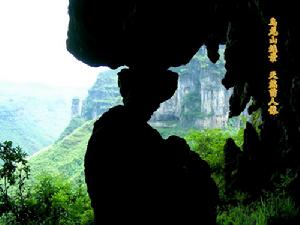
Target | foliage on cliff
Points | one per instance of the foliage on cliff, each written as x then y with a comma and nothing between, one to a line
73,124
65,156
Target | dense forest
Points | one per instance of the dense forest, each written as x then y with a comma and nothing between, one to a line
48,187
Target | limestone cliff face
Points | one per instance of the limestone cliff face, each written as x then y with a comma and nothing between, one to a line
102,95
200,100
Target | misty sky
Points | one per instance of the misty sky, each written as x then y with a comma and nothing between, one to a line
32,45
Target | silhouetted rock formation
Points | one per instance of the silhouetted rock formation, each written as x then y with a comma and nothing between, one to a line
232,154
133,175
137,34
115,33
251,171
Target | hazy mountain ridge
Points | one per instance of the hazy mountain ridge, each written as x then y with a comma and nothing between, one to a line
34,115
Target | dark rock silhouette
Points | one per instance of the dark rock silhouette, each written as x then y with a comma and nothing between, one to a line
131,35
251,162
135,34
134,176
245,170
232,157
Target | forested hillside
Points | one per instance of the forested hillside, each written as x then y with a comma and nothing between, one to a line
65,156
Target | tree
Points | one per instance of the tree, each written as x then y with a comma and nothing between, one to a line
14,170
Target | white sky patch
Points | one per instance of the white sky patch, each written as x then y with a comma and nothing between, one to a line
33,37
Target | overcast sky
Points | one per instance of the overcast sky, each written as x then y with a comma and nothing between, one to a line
33,45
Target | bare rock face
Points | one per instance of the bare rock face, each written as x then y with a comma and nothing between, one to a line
101,96
75,108
200,100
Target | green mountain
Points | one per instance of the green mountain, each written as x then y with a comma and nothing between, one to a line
34,115
65,156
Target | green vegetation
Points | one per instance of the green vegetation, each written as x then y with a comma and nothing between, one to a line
256,120
65,156
209,145
166,132
74,123
50,200
273,209
13,173
46,199
61,198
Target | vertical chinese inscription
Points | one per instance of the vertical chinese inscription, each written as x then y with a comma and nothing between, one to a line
273,56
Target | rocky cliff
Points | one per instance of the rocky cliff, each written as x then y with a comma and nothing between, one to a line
199,102
102,95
